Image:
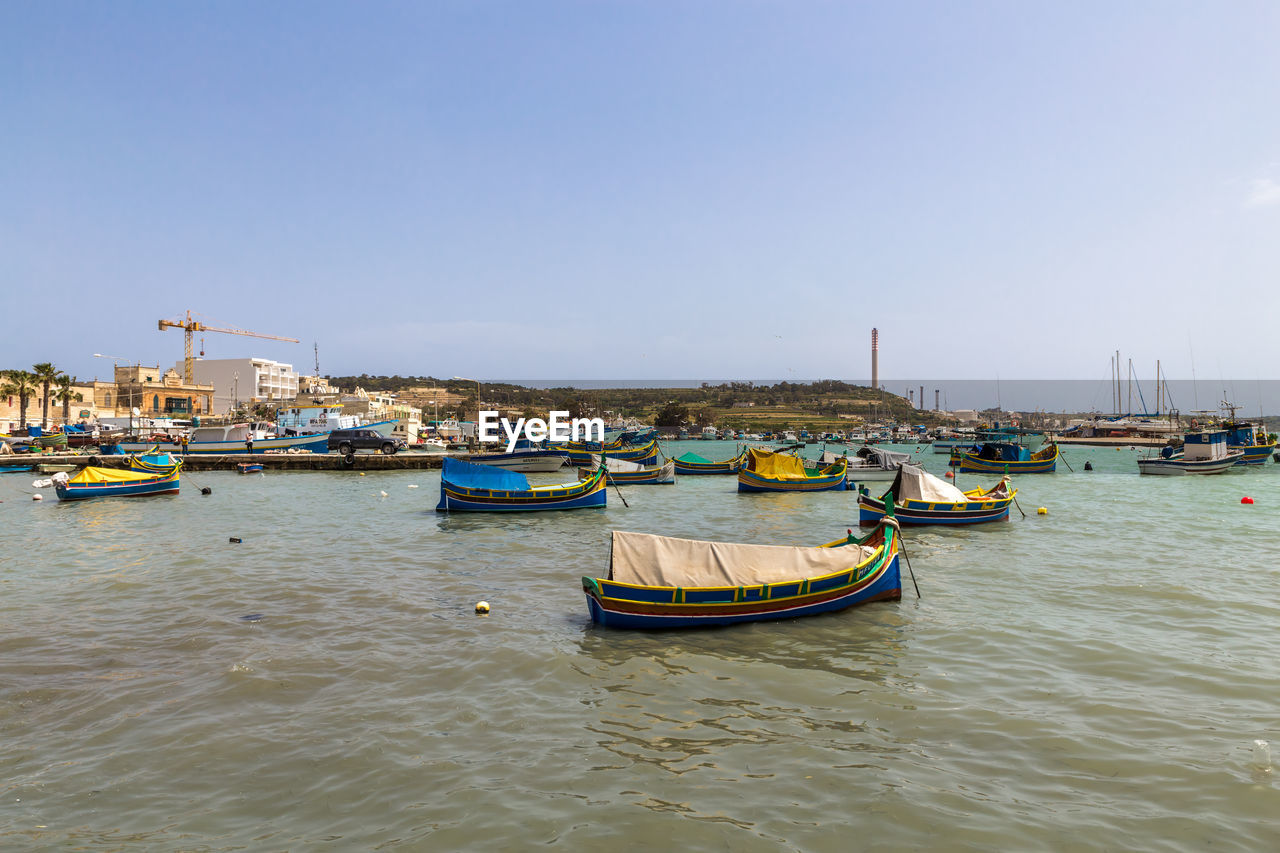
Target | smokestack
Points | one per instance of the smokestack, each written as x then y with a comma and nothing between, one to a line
875,358
937,399
921,396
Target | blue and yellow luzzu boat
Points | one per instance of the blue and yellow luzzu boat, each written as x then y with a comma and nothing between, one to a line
663,582
766,471
641,454
94,482
1246,437
692,463
999,457
154,463
918,497
466,486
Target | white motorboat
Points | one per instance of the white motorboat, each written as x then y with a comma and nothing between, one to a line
1203,452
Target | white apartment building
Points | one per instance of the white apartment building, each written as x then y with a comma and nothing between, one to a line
245,380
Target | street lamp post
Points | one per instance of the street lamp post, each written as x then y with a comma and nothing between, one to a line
115,360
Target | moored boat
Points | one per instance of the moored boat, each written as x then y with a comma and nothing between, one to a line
1002,457
235,439
623,473
692,463
527,456
94,482
918,497
641,454
872,464
766,471
1203,452
665,582
1251,440
248,467
466,486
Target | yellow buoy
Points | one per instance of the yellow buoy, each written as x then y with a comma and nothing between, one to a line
361,473
1042,511
482,607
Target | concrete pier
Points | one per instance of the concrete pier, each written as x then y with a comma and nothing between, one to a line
403,461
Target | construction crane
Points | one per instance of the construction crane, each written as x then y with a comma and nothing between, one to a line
192,326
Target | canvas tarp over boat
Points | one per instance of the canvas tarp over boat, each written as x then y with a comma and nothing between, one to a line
649,560
887,459
92,474
775,466
913,483
619,466
471,475
693,458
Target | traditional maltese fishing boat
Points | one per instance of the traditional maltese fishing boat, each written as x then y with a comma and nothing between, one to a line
665,582
154,463
766,471
94,482
1002,457
641,454
466,486
692,463
624,473
918,497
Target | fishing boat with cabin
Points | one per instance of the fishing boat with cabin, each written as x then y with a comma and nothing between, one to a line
657,582
1203,452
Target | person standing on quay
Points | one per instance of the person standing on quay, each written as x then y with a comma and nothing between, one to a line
248,444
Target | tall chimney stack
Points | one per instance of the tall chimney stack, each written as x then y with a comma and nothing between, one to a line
875,359
937,399
921,396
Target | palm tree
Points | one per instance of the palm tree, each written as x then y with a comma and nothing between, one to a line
22,385
46,374
64,395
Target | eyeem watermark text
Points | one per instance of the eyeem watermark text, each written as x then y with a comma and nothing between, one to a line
559,428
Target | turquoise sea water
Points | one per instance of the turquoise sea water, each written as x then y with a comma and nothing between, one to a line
1093,678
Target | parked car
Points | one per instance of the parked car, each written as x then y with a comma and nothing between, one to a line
347,441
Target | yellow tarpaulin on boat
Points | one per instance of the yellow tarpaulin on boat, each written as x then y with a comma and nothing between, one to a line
775,466
93,474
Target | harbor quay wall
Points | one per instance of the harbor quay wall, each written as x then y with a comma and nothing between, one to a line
403,461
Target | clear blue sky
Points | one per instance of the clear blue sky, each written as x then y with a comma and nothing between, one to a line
645,189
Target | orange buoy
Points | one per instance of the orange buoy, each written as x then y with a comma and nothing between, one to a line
1246,500
952,476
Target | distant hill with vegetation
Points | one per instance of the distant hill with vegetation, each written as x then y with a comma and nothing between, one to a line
825,405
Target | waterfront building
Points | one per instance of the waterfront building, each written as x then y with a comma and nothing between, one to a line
237,381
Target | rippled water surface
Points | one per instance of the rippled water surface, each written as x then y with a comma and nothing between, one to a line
1092,678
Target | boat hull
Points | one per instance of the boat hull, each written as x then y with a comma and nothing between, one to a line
318,443
587,493
872,510
970,464
526,462
695,468
1254,454
750,481
156,486
1177,467
615,605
